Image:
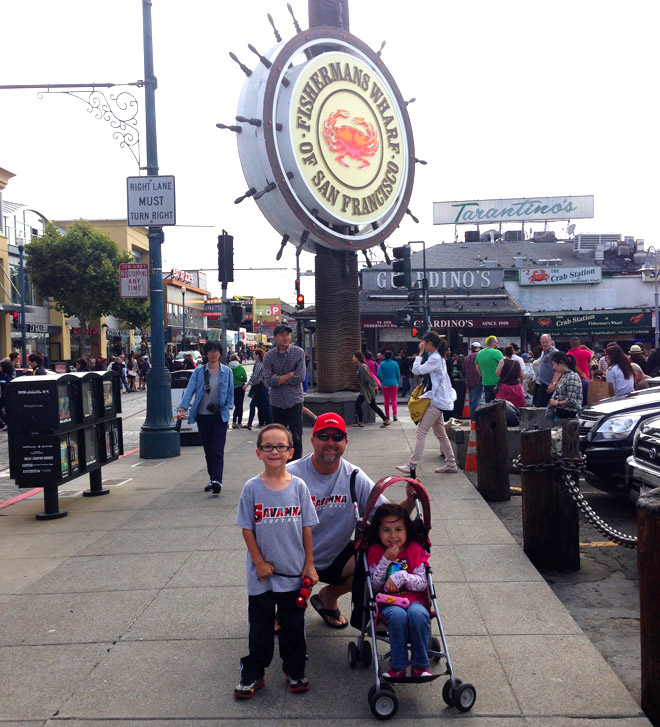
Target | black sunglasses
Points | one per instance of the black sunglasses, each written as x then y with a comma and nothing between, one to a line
324,436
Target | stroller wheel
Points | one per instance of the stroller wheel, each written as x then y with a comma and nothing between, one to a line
465,695
448,692
434,645
353,655
366,656
383,702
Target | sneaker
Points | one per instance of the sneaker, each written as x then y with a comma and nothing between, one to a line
216,487
403,468
394,674
420,672
298,686
208,487
246,691
446,469
394,418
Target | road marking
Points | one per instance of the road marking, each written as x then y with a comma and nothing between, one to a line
20,497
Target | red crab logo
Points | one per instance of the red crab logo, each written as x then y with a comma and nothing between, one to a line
356,140
539,276
544,322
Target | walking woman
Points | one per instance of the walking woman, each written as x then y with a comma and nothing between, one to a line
367,391
567,396
619,372
212,387
441,399
389,374
256,384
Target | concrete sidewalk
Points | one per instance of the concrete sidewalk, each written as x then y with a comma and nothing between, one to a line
132,610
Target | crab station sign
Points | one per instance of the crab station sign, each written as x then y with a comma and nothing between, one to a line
560,276
328,147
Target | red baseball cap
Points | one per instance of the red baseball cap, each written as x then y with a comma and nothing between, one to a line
329,420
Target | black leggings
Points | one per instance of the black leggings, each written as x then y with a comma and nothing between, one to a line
372,405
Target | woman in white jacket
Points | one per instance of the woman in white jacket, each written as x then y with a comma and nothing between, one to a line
441,398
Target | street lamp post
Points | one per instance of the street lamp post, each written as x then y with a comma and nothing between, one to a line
158,437
21,285
183,318
647,267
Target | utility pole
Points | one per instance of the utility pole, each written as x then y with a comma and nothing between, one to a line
158,437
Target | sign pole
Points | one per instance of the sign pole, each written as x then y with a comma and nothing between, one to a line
158,437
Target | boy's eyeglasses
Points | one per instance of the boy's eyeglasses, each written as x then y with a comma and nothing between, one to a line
278,447
324,436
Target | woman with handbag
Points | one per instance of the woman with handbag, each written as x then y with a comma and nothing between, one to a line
567,396
367,391
510,376
441,398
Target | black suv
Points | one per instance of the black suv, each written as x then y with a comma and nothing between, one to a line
607,429
643,467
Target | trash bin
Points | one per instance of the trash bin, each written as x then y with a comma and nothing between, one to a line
188,434
460,387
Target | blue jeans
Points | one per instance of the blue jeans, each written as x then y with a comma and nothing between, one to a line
403,625
489,394
474,395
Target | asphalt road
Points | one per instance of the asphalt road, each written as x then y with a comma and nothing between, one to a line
603,596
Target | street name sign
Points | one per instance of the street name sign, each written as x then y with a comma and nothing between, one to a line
151,201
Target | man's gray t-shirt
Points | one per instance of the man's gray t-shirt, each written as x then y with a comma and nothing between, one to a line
331,495
277,518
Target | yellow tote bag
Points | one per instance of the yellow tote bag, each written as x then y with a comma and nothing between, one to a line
416,406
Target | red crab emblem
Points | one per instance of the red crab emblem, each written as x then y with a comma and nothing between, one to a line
545,322
538,276
356,140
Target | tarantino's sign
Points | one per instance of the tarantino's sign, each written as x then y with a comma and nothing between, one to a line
518,209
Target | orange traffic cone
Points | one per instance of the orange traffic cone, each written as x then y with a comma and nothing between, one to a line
471,456
466,408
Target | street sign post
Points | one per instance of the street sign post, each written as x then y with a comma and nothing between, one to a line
151,201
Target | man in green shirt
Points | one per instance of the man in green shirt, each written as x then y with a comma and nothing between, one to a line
487,360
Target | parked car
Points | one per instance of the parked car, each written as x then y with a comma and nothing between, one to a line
607,429
178,359
643,466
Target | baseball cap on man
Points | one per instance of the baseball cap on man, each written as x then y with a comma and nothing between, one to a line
329,420
475,344
281,329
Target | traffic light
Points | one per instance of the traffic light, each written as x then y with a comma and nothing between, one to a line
402,265
15,320
237,313
225,258
414,296
300,301
404,317
418,332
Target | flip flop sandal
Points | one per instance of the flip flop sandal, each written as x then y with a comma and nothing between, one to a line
327,613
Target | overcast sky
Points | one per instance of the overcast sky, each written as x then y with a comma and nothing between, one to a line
513,99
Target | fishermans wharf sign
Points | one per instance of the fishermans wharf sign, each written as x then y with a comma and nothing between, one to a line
518,209
328,148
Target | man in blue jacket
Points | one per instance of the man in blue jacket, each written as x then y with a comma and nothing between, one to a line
212,387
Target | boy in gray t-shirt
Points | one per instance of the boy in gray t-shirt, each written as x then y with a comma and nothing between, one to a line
275,512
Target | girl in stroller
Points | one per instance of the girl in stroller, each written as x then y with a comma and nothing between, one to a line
397,570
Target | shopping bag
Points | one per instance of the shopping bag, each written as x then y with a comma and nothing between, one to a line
599,389
416,406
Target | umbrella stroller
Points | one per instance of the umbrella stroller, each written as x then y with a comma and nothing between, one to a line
382,697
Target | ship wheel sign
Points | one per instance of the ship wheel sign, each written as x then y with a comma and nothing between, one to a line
327,147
